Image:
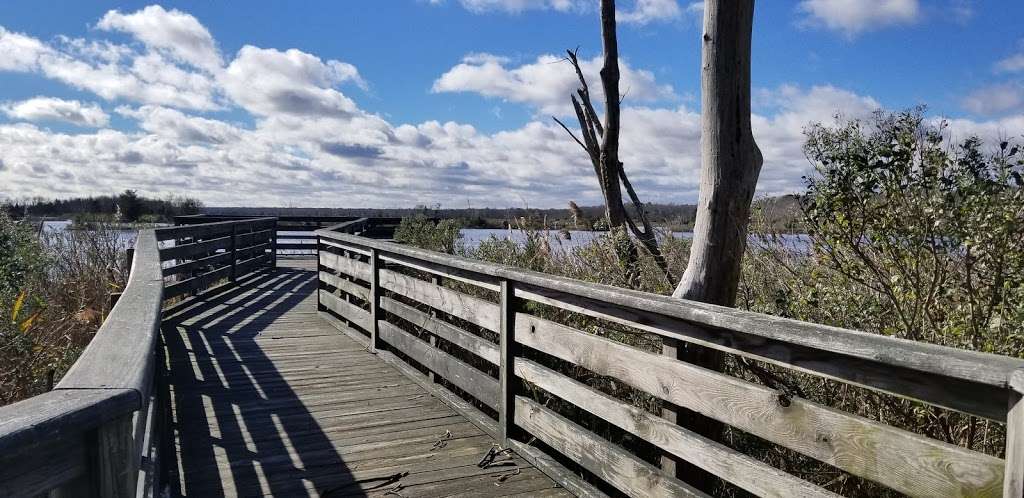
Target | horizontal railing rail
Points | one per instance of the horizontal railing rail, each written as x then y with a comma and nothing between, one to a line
294,235
100,430
474,329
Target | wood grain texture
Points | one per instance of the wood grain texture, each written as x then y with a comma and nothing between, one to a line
1013,482
979,368
465,340
270,399
344,285
910,463
212,229
121,354
746,472
482,386
345,309
474,310
346,265
618,467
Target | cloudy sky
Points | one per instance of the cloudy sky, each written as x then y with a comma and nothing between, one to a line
406,102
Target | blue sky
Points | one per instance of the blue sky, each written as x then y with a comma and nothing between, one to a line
425,101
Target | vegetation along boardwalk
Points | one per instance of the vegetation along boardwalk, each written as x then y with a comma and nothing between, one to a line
373,368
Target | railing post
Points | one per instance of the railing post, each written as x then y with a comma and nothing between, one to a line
374,300
319,282
436,280
273,245
113,464
1013,480
234,253
509,351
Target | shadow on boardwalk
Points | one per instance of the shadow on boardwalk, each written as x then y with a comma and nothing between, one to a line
270,400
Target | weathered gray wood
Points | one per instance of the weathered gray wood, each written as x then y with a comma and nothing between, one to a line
121,355
345,247
202,248
212,229
60,414
215,260
880,374
465,340
346,265
568,480
349,331
506,370
58,463
114,465
951,363
346,285
375,293
1013,482
474,310
910,463
746,472
609,462
463,407
346,310
480,385
479,279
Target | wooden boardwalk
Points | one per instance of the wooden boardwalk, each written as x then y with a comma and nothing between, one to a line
269,399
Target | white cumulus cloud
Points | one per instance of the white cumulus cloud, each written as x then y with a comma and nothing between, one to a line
547,82
852,17
174,32
54,109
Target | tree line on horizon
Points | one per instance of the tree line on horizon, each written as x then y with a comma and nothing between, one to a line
128,206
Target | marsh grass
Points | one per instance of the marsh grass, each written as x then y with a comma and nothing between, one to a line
63,281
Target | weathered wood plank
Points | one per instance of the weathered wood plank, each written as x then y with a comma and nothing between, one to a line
51,464
115,465
465,340
1013,483
744,471
980,368
210,229
882,375
482,386
345,309
474,310
346,265
568,480
482,280
910,463
618,467
506,370
346,285
121,355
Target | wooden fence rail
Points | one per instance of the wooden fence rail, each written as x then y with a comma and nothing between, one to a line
481,343
100,431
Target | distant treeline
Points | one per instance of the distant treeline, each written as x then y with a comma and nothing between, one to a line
781,212
128,206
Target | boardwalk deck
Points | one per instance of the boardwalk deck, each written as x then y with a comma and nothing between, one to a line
268,399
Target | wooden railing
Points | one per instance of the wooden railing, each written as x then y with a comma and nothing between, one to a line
294,235
472,333
100,430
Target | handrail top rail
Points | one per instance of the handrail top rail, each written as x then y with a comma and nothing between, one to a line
166,233
972,366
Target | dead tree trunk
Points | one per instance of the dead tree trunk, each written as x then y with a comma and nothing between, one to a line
601,142
731,163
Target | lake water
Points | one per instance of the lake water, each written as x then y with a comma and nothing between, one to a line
472,237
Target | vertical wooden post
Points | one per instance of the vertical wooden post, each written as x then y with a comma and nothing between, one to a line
129,258
113,467
273,245
509,351
319,282
436,280
374,300
1013,477
234,253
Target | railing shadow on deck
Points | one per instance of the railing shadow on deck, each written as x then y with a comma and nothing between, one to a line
259,419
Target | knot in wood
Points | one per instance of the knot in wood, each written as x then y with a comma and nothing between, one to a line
784,399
